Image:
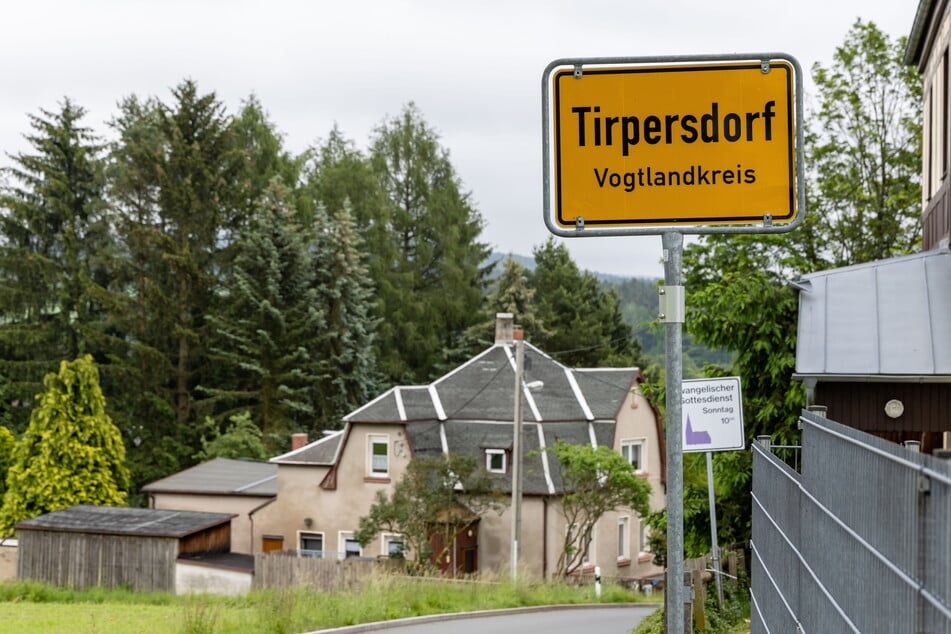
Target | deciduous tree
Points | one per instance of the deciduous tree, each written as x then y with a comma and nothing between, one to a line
596,481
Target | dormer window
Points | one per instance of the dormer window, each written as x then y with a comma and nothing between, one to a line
495,461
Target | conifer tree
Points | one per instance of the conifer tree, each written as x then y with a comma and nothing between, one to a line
71,453
265,337
432,290
51,229
511,293
345,294
177,194
583,319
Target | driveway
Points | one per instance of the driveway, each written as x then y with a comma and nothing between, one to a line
603,619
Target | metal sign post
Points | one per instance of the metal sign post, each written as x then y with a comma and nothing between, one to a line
672,308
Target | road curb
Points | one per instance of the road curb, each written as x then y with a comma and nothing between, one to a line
452,616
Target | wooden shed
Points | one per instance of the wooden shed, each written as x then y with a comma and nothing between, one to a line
86,546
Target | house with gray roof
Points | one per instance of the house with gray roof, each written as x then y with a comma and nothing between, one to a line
324,487
236,487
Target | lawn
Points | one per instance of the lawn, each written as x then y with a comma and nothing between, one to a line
36,609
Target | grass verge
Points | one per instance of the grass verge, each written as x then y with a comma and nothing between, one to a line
30,608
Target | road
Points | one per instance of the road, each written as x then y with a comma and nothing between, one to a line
599,620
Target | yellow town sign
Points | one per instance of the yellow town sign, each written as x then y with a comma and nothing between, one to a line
650,145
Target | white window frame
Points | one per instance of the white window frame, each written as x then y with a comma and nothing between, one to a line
642,453
389,538
489,453
342,538
374,440
624,538
643,537
323,541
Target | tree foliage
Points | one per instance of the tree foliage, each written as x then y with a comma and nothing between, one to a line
864,150
435,500
71,453
241,440
431,287
269,320
596,481
580,319
863,203
52,237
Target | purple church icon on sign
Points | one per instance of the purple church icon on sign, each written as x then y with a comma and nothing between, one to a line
696,437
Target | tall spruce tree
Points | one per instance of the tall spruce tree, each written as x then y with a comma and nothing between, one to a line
265,337
432,290
345,293
51,227
177,193
510,293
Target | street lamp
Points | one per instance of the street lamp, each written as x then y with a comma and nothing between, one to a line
517,447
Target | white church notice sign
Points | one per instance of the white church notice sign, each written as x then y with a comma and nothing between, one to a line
713,414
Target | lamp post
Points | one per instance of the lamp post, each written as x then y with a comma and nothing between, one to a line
517,447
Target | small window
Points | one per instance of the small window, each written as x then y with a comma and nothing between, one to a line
633,452
349,546
644,537
379,456
624,538
393,546
495,461
312,545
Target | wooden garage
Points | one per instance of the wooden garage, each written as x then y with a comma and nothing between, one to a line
86,546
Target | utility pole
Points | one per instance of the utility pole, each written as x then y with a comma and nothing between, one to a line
518,336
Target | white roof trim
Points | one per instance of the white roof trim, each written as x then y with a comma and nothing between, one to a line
442,438
579,396
437,404
290,454
250,485
591,435
531,402
400,408
544,454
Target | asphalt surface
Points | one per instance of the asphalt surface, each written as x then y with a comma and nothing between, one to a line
600,619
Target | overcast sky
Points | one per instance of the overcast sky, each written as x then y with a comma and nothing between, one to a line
473,69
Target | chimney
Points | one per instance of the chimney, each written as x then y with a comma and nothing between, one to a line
504,327
298,441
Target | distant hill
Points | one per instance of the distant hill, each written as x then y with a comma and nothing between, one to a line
528,262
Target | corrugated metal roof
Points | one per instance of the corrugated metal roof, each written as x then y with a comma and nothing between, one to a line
110,520
885,318
221,476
